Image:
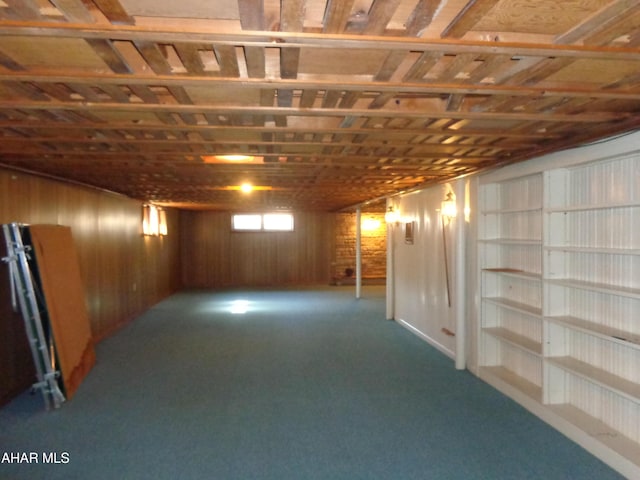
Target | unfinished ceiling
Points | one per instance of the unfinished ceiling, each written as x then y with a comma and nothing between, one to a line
339,101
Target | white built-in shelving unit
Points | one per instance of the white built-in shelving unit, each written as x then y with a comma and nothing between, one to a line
560,300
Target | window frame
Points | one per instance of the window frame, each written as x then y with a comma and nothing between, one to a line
262,228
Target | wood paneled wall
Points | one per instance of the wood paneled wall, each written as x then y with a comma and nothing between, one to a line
214,256
124,273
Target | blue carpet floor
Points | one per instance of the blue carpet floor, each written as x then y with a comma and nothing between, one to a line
307,384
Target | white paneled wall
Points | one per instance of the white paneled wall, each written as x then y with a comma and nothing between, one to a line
420,273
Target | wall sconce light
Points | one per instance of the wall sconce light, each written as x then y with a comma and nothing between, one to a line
162,222
448,209
370,224
392,215
154,221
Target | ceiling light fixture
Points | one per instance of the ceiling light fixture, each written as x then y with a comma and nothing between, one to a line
236,158
240,188
233,158
246,187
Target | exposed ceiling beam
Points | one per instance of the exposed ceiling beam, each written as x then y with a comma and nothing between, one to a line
373,87
589,117
425,132
183,34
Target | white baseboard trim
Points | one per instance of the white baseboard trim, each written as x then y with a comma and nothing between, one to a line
426,338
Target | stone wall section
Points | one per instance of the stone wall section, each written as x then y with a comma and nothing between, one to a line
374,246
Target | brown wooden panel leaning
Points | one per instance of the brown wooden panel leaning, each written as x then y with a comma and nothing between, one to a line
64,293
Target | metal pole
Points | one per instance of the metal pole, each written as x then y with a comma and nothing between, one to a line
460,297
358,252
390,270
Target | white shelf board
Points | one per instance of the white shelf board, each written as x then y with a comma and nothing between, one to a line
500,377
500,211
602,378
604,442
607,251
513,272
512,241
622,337
601,432
597,287
520,341
587,207
516,306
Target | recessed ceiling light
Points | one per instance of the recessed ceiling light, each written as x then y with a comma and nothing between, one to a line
232,158
239,188
236,158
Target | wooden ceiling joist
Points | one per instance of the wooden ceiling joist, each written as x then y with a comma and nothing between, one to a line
345,100
281,39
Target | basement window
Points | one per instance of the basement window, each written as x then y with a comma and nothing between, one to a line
262,222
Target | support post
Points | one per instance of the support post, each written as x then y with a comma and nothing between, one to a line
358,252
390,300
460,289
